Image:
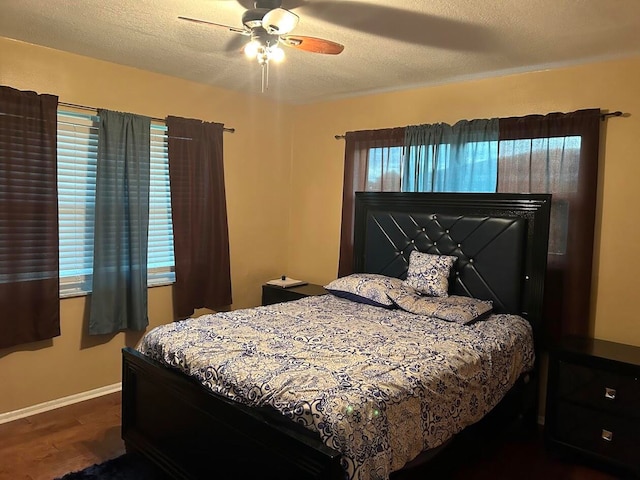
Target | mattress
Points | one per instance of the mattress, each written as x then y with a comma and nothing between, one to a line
378,385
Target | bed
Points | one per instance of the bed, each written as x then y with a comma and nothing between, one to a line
499,242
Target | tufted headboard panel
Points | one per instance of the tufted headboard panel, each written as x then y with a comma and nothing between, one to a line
500,241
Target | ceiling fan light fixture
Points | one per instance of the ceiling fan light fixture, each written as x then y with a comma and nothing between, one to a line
269,26
276,54
279,21
252,48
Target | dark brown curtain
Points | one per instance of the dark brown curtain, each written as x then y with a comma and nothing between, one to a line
199,211
558,154
372,162
29,285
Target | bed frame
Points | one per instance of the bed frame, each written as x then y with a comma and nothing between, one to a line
501,244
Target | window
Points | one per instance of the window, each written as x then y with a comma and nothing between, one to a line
384,168
544,165
528,165
77,158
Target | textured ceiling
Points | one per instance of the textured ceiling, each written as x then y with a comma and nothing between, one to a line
389,45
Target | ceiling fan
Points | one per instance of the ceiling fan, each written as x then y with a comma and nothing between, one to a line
269,25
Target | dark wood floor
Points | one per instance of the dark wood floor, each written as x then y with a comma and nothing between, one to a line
47,445
51,444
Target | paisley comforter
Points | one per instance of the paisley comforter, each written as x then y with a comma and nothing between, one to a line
378,385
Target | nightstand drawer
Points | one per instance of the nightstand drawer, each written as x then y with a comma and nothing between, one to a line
593,402
598,388
598,432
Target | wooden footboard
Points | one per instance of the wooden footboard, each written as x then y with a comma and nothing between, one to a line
192,433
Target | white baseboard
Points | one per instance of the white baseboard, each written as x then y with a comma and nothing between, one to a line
81,397
60,402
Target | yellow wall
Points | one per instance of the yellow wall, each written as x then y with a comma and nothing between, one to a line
315,215
257,176
284,186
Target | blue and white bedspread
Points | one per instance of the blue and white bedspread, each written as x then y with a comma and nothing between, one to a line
377,385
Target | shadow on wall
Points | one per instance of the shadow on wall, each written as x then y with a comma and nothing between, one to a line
27,347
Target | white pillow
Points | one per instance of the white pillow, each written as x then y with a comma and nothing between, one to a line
429,274
369,288
454,308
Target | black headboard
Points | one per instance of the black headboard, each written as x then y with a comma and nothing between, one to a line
500,240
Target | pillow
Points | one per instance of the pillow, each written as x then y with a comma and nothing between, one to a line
429,274
454,308
369,288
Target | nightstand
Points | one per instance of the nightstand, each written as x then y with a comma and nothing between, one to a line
272,294
593,403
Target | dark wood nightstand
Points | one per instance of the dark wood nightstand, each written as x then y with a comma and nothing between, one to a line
593,403
272,294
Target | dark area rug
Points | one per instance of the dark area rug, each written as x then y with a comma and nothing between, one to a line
125,467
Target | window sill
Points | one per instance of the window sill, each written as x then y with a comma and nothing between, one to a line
81,293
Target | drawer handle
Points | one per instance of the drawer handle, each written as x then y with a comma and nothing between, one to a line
610,393
607,435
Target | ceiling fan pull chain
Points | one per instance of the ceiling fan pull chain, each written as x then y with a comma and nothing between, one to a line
266,64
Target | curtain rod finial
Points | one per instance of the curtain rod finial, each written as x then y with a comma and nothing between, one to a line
617,113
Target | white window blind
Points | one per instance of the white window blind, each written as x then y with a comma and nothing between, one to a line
77,159
77,154
160,261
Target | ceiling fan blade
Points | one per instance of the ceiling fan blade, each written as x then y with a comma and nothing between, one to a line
235,45
206,22
279,21
249,4
404,25
312,44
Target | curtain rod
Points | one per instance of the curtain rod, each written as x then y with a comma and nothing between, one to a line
603,117
93,109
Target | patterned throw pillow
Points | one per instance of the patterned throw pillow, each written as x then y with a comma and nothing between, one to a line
454,308
429,274
369,288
